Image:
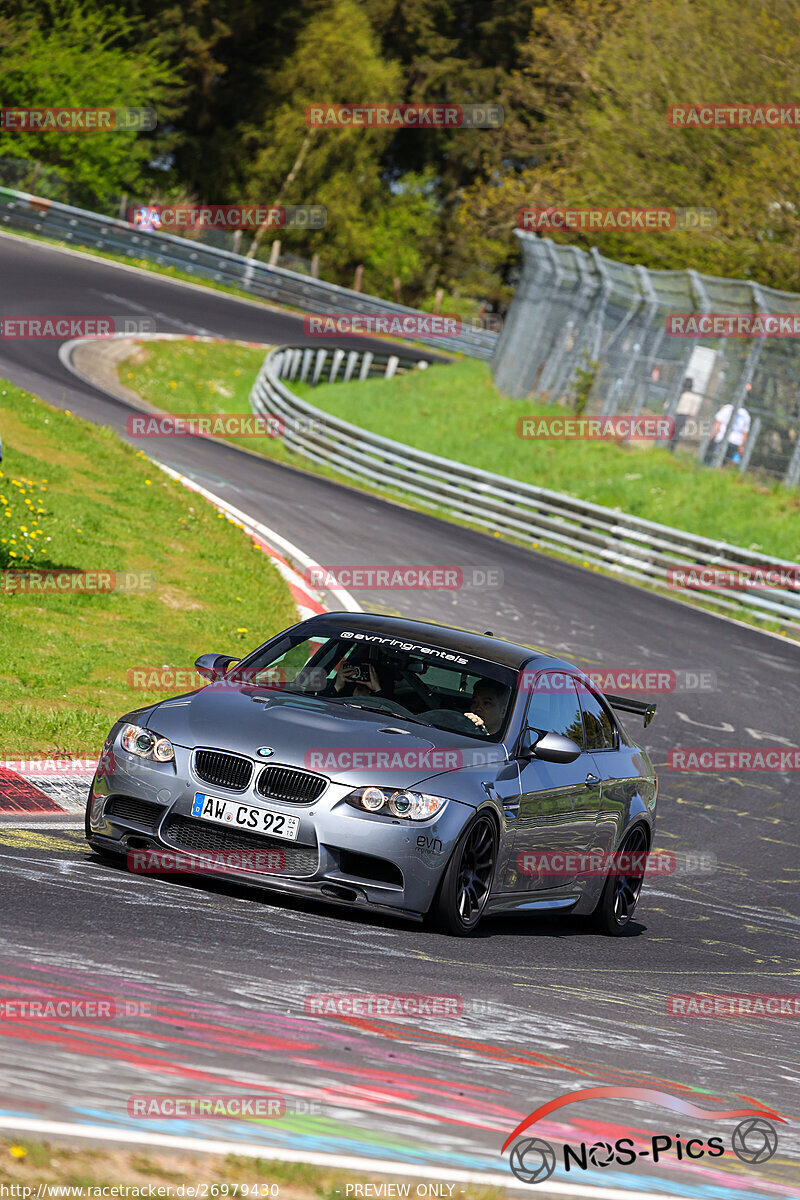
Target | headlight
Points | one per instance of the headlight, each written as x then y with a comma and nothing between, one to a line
413,806
146,744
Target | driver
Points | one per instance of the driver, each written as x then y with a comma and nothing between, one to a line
488,705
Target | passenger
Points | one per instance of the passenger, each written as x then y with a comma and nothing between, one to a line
346,682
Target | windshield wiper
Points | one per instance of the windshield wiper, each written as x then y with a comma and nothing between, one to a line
387,712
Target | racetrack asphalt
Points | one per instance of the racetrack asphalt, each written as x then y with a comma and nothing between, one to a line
547,1005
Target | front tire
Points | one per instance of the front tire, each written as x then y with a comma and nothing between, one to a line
100,851
467,881
620,895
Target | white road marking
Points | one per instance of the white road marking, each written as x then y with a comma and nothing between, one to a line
34,825
342,1162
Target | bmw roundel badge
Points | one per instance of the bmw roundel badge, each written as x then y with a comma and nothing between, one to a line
265,751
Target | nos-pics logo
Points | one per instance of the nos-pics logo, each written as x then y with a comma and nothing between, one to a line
533,1159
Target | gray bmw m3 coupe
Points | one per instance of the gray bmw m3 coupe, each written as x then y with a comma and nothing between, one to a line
393,765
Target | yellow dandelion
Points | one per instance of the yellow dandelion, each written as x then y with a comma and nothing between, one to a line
17,1151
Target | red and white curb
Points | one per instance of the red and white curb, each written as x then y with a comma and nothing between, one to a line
50,787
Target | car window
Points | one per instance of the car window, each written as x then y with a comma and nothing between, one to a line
443,688
599,726
554,707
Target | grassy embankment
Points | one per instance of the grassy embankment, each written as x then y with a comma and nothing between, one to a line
456,411
74,496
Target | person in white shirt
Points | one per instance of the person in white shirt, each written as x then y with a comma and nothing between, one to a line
147,218
737,434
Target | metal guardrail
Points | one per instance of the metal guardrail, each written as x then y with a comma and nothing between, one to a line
34,214
629,546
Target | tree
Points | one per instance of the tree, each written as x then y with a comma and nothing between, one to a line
337,167
70,54
707,51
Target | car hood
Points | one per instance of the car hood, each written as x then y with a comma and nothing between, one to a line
347,744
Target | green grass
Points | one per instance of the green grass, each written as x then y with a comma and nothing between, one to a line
30,1164
189,378
456,411
92,503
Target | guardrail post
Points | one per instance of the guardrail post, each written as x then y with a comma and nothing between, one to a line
750,444
352,362
319,366
338,356
391,366
366,363
307,357
792,476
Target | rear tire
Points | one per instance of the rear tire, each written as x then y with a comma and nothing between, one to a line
620,894
467,880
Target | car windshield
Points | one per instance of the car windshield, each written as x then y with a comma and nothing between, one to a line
388,675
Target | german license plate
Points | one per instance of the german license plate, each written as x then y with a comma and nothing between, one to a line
245,816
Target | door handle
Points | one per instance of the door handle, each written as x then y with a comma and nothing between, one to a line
592,781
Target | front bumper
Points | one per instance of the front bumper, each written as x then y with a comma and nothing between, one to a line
341,855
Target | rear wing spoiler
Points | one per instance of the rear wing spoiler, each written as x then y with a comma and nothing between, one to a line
643,708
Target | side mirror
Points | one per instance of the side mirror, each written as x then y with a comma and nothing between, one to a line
211,666
550,747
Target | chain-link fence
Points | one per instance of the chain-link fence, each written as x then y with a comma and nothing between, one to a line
590,333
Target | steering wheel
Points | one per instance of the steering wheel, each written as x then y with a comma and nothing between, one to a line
448,718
